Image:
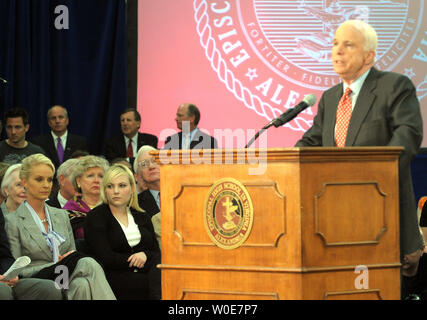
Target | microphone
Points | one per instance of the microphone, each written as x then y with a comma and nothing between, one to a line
290,114
3,80
287,116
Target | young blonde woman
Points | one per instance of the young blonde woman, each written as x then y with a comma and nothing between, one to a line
44,234
122,238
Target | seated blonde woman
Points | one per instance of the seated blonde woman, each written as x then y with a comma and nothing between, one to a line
12,189
122,238
44,234
86,178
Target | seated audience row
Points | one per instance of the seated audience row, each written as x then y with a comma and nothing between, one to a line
118,234
44,234
59,144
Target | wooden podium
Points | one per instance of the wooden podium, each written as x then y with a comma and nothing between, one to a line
325,225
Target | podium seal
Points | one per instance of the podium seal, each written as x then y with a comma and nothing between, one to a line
228,213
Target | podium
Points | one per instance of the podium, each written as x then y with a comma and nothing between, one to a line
325,224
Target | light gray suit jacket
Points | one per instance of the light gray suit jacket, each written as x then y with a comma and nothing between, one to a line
26,239
387,113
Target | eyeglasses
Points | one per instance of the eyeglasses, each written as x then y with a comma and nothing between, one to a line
146,163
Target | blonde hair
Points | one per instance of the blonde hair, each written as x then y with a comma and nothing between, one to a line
113,172
84,164
33,160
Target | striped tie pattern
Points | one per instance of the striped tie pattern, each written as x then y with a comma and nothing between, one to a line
344,111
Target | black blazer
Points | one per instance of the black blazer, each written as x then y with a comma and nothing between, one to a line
147,202
6,258
387,113
53,201
74,143
200,140
107,242
116,147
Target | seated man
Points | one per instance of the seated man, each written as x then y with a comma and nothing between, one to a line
147,170
16,147
190,137
59,144
66,190
126,144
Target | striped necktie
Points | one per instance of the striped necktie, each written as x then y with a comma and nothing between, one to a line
344,112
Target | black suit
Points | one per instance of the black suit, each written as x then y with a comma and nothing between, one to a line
74,143
108,244
200,140
117,148
387,113
147,202
6,258
53,201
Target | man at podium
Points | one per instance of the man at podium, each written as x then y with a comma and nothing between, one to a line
372,108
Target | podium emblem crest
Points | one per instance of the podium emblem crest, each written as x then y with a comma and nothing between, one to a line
228,213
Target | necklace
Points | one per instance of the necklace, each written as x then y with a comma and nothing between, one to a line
44,220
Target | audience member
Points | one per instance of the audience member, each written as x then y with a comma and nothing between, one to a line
86,178
44,234
22,289
3,168
122,238
386,112
12,189
190,137
126,144
147,170
15,147
123,161
59,143
79,154
66,190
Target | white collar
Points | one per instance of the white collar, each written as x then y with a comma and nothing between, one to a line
63,137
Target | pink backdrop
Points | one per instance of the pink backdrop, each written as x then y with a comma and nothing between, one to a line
244,62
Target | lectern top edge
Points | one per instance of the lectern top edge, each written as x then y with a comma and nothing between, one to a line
228,156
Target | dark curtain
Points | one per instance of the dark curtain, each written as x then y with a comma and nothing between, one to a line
83,67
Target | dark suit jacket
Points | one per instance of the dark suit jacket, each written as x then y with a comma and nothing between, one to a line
147,202
116,147
53,201
200,141
6,258
107,241
387,113
74,143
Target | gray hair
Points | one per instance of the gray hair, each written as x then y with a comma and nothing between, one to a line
84,164
66,168
57,105
145,148
368,32
7,179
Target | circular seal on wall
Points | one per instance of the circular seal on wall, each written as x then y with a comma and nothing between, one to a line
270,54
228,213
